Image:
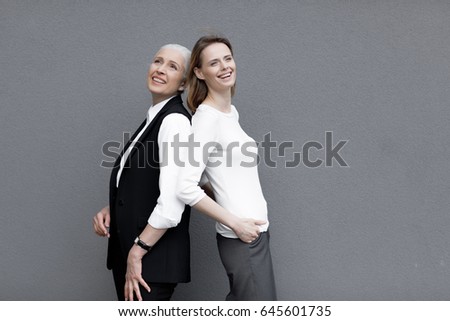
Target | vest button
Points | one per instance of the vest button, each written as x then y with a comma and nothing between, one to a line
121,202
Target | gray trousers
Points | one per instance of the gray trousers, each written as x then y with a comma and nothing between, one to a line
249,268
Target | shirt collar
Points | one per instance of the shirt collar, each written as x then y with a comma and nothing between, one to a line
154,109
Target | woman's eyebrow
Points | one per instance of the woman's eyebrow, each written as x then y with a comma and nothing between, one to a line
217,59
176,63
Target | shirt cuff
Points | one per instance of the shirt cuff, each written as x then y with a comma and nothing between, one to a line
198,198
203,180
158,221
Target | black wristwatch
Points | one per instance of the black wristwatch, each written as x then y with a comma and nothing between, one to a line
139,242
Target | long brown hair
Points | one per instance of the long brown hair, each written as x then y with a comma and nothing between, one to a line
197,87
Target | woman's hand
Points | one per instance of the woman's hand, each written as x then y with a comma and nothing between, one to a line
247,229
101,222
133,276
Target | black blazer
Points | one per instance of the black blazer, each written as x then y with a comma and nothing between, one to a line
132,202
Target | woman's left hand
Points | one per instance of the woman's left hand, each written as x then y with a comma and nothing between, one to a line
133,276
247,229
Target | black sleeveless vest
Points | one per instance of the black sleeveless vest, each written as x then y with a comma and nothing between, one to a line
132,202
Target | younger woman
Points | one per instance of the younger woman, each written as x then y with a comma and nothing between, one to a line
227,155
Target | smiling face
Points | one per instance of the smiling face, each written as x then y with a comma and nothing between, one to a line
218,68
166,74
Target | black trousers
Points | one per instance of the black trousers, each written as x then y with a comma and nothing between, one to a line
159,291
249,268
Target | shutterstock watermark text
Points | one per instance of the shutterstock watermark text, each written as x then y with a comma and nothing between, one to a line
271,153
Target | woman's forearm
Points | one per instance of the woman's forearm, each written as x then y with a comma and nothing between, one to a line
247,229
210,208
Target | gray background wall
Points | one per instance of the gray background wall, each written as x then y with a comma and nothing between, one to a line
375,73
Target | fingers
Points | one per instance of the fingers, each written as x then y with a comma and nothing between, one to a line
127,292
132,287
248,237
254,232
107,221
260,222
253,235
249,229
97,226
101,223
145,285
138,291
140,281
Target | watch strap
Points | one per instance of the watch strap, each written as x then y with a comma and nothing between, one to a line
142,244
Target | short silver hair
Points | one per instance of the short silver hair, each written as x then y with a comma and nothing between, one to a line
185,52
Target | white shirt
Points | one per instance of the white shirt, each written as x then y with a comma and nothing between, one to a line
169,208
230,166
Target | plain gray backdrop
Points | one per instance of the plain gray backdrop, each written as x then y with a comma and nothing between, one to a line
375,73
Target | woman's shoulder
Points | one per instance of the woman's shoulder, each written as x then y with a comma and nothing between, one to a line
206,112
205,109
205,116
234,111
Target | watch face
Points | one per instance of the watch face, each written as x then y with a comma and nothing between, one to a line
138,242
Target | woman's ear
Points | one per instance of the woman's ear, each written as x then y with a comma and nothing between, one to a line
198,73
182,85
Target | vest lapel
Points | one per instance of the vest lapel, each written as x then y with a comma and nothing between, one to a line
116,167
147,131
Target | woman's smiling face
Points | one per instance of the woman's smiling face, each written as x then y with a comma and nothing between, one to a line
166,74
218,68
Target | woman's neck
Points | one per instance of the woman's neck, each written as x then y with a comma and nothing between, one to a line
221,102
156,99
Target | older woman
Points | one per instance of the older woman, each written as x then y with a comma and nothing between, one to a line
143,208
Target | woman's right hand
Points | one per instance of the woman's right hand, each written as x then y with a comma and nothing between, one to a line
101,222
247,229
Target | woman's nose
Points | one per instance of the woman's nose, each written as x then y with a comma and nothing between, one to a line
161,69
224,65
